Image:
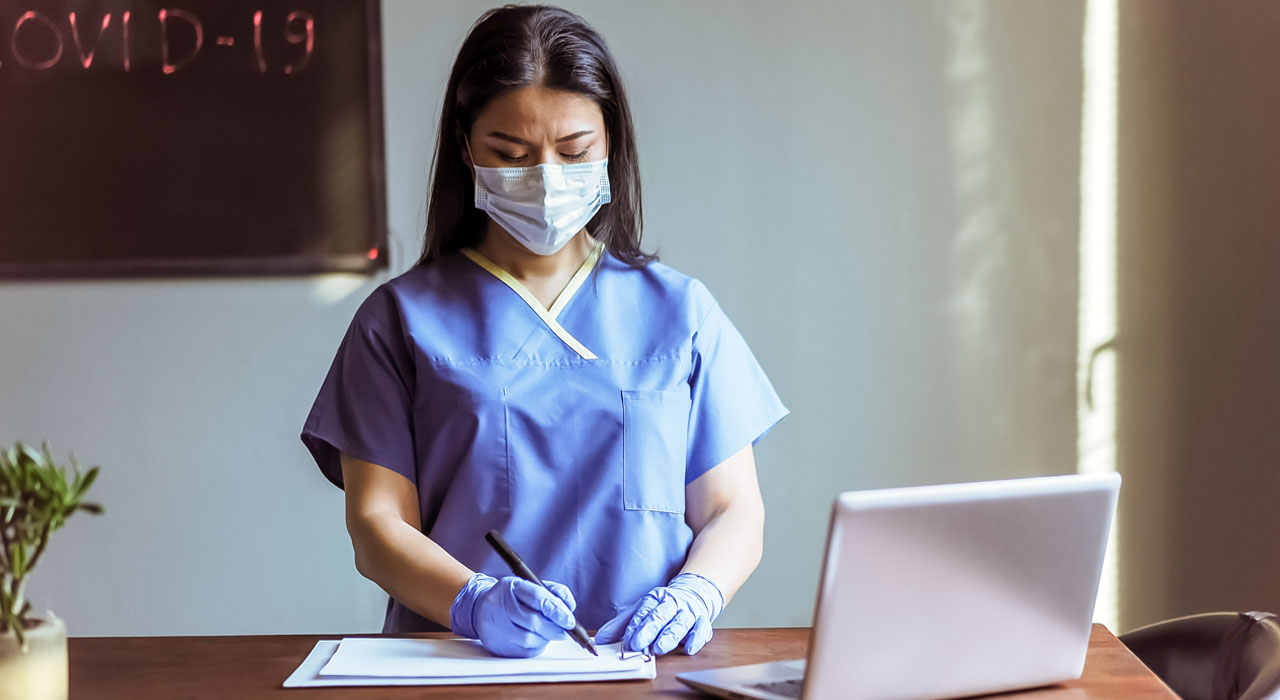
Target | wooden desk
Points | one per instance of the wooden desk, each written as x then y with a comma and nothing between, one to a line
141,668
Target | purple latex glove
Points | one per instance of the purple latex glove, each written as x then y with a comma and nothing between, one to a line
511,616
680,612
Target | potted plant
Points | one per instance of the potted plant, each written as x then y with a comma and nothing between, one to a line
35,500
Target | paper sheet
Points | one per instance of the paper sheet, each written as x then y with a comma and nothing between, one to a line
381,656
308,673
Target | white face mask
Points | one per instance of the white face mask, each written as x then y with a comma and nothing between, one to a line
542,206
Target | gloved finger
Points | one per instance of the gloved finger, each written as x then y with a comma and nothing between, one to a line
648,629
643,608
544,604
611,631
698,636
674,632
525,620
521,644
563,593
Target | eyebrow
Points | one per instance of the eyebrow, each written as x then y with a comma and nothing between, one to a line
522,142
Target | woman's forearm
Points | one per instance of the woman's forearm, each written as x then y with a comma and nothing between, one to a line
728,548
408,565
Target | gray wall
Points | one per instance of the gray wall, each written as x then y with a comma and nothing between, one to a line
883,196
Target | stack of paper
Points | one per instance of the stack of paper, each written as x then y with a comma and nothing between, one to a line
395,661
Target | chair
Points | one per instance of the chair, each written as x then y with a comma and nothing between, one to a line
1213,656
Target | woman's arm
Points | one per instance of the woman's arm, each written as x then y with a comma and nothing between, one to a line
726,512
390,549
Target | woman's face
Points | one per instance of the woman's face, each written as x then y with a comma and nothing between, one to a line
532,125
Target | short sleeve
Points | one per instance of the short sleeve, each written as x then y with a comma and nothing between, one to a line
734,404
364,407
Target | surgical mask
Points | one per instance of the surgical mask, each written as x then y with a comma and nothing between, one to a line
542,206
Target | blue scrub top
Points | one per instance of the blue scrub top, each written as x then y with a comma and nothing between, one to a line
572,430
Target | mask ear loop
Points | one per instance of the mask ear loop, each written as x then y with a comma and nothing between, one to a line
481,196
471,164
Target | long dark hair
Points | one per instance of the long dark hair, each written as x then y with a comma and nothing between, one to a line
516,46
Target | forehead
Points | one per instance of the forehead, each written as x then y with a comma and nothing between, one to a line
531,111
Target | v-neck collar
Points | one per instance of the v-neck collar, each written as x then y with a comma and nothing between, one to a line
548,315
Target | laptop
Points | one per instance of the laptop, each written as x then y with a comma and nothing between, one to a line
946,591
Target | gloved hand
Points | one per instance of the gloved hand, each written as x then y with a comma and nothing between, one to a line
511,616
681,611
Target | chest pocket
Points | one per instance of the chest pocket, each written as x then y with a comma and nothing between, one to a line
655,436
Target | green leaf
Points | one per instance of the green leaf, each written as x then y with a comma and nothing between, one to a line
31,454
47,479
17,559
88,481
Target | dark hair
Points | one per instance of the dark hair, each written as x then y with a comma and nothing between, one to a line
516,46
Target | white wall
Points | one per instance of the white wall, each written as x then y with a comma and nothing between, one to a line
883,196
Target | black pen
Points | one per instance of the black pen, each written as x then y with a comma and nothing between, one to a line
519,568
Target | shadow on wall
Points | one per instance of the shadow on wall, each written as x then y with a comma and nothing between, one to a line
1199,296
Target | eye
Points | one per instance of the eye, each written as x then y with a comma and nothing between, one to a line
516,159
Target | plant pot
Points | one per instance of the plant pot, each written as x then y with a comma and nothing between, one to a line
40,672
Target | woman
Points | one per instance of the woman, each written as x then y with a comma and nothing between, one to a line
536,373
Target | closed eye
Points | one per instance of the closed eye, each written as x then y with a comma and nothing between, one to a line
516,159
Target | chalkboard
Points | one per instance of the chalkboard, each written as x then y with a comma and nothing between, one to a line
190,138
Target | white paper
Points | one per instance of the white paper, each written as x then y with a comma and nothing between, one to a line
383,656
308,672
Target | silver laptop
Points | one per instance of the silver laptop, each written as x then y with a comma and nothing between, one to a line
946,591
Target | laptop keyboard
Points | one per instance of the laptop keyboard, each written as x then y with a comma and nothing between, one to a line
790,688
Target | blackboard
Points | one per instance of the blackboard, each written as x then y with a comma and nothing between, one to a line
190,138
